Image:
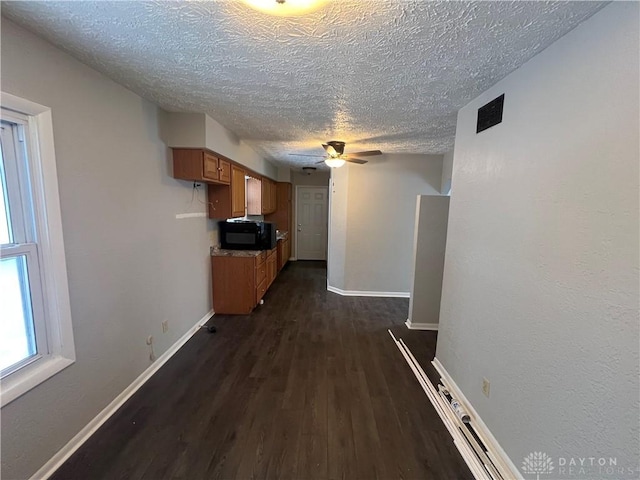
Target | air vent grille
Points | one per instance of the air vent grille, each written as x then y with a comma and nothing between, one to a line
490,114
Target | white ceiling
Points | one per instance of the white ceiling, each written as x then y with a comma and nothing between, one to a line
378,74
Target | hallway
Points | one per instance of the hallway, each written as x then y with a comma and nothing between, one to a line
310,385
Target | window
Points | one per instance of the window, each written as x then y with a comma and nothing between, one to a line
36,339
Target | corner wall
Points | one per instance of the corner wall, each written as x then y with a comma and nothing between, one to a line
130,263
430,238
540,291
380,217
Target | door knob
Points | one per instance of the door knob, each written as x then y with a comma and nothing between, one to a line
299,229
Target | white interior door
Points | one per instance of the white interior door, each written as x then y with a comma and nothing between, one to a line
311,223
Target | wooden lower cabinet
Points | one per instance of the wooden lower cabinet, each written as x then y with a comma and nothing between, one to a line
284,252
239,283
272,266
234,284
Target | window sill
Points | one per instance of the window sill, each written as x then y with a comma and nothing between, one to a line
20,382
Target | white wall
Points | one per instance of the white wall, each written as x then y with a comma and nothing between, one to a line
540,290
225,142
130,263
337,244
447,173
379,219
284,174
430,238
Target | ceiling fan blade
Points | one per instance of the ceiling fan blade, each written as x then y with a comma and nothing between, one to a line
321,161
330,150
305,155
355,160
368,153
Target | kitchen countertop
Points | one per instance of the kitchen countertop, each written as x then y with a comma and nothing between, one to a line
223,252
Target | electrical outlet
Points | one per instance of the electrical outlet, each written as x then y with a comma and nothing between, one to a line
486,387
165,326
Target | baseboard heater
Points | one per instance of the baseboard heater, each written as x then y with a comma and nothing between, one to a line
484,465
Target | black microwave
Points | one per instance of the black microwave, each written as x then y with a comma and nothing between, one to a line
244,235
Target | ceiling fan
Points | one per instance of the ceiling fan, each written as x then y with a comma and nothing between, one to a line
336,156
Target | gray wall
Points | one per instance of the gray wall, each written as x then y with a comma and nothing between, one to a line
447,173
540,290
198,130
130,263
380,217
430,237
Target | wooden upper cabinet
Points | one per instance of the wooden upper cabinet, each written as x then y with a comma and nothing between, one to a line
237,191
227,201
273,202
261,196
254,196
282,213
264,201
268,196
210,168
224,167
200,165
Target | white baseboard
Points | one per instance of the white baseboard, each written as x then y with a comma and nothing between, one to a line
420,326
490,442
83,435
365,293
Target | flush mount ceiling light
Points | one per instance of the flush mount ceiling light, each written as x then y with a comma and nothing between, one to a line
285,8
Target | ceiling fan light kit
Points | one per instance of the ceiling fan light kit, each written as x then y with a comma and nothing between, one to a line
336,158
334,162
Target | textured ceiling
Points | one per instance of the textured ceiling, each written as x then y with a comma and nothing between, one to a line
378,74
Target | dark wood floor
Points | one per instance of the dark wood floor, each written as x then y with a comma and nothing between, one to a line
308,386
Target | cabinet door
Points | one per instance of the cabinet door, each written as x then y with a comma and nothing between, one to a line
224,171
210,167
272,266
237,191
265,196
233,285
254,196
274,200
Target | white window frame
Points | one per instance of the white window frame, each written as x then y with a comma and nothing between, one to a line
60,349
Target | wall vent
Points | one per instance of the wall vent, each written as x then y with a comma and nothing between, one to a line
490,114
